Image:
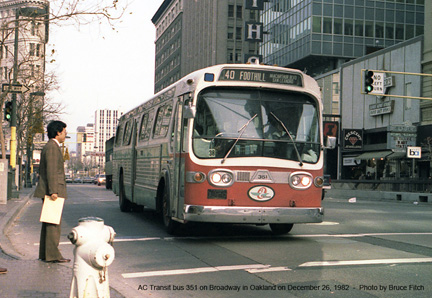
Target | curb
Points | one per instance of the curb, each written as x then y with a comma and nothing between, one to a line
5,222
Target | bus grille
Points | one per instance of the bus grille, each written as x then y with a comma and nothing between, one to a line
243,176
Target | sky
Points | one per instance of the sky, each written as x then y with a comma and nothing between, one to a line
98,68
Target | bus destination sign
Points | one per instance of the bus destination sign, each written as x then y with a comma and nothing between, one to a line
264,76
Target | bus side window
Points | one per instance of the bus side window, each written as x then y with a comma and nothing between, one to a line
163,119
127,133
119,135
144,133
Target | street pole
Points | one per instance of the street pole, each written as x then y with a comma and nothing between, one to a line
13,141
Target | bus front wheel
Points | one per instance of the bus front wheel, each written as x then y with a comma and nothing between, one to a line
170,224
280,229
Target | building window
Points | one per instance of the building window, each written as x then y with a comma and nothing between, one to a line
369,32
239,12
379,30
327,25
35,50
230,33
359,28
348,27
337,26
389,31
316,25
399,31
239,33
230,11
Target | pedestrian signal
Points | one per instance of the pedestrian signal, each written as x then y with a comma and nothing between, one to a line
368,81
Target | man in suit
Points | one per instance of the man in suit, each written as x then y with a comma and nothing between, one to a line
52,182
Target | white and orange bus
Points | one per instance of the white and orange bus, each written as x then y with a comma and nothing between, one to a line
234,143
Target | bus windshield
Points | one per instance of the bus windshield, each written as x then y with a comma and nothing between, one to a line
247,123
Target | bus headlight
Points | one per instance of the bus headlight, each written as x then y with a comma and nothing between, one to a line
300,180
221,178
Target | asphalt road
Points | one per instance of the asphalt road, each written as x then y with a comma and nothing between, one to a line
362,249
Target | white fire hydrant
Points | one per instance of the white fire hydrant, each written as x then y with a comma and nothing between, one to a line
92,256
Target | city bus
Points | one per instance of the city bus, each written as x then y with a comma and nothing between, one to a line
233,143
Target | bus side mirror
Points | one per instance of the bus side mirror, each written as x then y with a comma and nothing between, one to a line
189,112
330,143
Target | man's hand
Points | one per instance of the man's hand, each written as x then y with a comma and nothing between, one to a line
54,196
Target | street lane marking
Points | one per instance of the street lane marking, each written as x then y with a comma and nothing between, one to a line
270,269
137,239
259,268
366,262
358,235
324,223
121,240
133,239
193,270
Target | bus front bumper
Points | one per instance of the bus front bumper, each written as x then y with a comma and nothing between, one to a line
252,215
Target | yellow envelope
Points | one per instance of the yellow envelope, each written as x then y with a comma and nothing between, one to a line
52,210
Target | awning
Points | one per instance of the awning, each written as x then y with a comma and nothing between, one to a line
374,155
397,155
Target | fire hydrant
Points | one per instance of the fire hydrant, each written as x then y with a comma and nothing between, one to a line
92,255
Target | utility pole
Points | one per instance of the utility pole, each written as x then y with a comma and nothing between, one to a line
13,141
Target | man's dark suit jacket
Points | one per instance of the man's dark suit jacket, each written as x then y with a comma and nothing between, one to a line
51,172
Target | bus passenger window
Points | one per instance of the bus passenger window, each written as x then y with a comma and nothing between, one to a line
127,133
144,133
163,119
119,135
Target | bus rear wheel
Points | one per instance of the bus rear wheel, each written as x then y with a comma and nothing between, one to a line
280,229
125,205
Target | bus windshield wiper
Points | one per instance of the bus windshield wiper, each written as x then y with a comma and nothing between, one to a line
241,130
290,136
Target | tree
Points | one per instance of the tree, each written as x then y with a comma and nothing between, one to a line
32,19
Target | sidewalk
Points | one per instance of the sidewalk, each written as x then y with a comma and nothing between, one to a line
29,278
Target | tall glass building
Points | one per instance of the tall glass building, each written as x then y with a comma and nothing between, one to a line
319,35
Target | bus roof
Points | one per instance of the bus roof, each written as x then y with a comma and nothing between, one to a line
278,77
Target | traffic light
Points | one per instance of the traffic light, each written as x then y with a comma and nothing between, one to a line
368,81
84,137
8,111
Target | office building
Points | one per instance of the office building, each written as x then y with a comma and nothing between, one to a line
85,146
104,128
318,36
191,35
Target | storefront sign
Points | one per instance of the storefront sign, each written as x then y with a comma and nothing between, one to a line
399,137
353,139
331,128
351,161
414,152
253,31
255,4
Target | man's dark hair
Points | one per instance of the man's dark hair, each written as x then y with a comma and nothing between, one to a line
54,127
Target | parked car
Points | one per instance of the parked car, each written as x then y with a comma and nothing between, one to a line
87,180
78,180
101,179
69,179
